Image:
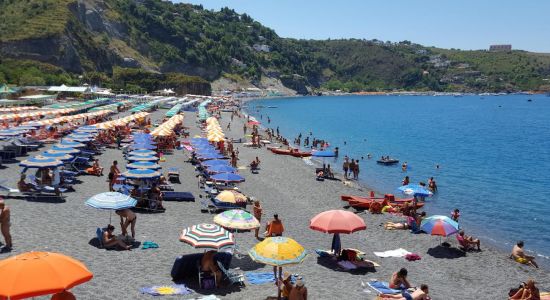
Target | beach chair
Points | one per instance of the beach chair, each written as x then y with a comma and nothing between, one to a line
207,280
174,175
463,245
9,191
8,155
234,278
79,164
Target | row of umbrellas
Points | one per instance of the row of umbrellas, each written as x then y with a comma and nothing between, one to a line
67,118
122,121
214,132
214,162
36,114
16,109
142,160
167,128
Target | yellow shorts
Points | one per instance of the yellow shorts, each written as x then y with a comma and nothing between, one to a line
521,260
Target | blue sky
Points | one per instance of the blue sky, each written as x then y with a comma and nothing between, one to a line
463,24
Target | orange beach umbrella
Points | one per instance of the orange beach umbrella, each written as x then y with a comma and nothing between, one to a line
34,274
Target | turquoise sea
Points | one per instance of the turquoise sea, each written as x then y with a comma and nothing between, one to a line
493,152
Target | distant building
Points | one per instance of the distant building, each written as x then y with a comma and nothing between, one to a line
261,48
500,48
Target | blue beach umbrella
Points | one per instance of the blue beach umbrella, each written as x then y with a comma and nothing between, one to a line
215,162
57,155
143,165
143,152
204,152
25,127
111,201
88,127
82,134
71,144
67,150
79,138
221,169
41,162
141,174
227,177
11,132
210,156
143,146
415,190
142,158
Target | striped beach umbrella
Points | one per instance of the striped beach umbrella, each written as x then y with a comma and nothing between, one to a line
142,158
58,155
67,150
439,225
70,144
141,174
79,138
143,152
143,165
415,189
41,162
82,134
143,146
237,219
111,200
207,236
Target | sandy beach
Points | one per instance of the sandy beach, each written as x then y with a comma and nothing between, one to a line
284,185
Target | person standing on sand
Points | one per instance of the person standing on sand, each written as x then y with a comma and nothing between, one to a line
352,167
5,224
258,211
127,217
275,227
345,167
113,174
356,171
244,128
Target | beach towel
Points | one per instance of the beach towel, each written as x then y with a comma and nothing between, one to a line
188,148
392,253
149,245
163,290
262,277
382,287
412,257
545,296
347,265
208,297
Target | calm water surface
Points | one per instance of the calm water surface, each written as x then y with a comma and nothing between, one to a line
493,152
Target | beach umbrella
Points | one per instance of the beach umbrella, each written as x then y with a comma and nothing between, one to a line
141,174
439,225
227,177
111,201
63,149
143,152
237,219
79,138
278,252
336,222
229,196
415,189
142,158
210,156
41,162
207,236
221,169
56,155
25,127
143,146
34,274
215,162
71,144
82,134
216,138
143,165
10,132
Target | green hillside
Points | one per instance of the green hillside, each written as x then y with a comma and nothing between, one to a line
98,37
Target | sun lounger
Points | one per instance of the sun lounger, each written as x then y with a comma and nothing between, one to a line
79,164
383,288
213,206
174,175
9,191
234,278
178,196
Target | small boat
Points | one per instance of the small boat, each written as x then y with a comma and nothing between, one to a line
387,162
272,107
280,151
298,153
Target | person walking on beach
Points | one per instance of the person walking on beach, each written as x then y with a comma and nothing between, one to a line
113,174
519,255
127,217
5,224
352,167
356,170
345,167
244,128
258,211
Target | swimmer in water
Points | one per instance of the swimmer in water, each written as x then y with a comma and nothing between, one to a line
368,156
404,166
437,166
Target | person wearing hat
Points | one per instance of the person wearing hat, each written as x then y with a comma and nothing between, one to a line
299,291
286,285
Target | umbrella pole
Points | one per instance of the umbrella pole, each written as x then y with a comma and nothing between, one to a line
110,212
279,283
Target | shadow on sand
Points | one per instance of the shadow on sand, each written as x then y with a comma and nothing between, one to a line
332,264
446,252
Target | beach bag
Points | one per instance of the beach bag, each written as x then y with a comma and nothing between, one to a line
208,283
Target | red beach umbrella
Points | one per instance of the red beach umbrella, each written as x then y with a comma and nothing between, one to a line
337,221
252,123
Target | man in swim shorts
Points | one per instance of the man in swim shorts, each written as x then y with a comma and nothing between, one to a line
519,255
5,224
419,294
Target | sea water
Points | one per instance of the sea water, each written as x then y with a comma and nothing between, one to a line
493,153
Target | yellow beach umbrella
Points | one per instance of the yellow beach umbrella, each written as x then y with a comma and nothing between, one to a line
230,197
